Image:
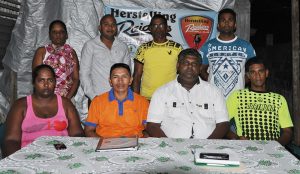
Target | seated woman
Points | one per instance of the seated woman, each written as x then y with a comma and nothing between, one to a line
41,114
62,58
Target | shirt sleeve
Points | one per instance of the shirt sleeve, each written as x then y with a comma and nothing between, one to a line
139,55
203,53
284,115
250,51
85,70
157,108
93,113
127,58
145,106
220,107
231,105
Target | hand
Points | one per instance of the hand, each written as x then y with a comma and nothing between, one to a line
243,138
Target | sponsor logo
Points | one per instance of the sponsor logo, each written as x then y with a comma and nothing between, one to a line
196,30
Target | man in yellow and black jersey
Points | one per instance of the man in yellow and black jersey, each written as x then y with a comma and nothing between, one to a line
155,61
257,113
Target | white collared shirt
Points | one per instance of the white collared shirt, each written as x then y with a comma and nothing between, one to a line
180,111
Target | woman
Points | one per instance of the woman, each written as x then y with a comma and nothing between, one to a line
41,114
62,58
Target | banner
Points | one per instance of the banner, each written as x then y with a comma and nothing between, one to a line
189,28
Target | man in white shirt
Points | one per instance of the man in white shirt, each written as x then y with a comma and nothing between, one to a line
188,107
98,55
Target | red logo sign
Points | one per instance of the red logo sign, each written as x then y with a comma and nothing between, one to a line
196,30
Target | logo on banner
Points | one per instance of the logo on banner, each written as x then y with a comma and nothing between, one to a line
196,30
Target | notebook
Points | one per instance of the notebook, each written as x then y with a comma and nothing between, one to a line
117,144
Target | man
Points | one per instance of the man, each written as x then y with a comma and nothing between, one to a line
188,107
226,55
155,61
119,112
257,113
41,114
98,55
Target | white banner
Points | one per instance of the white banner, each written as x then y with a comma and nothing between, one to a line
189,28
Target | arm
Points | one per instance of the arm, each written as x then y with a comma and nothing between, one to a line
13,128
74,128
154,130
75,76
203,72
90,131
232,136
38,57
137,76
220,131
286,136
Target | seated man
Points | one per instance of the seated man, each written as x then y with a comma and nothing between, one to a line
188,107
41,114
119,112
257,113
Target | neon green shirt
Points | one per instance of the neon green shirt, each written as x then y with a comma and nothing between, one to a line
258,116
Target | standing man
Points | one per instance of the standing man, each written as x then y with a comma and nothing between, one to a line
225,56
119,112
257,113
188,107
155,61
98,55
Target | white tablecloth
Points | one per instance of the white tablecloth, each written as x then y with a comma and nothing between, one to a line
155,155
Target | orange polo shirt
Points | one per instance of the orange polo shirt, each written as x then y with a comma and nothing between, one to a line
113,118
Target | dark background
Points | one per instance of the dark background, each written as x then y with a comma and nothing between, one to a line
271,37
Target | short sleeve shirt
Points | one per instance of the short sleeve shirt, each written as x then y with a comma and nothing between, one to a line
226,60
159,64
258,116
185,113
114,118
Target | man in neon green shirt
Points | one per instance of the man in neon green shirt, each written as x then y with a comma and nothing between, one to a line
155,61
257,113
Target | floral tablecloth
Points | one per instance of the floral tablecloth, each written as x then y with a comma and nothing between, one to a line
155,155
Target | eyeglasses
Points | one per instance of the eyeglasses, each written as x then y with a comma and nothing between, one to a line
161,26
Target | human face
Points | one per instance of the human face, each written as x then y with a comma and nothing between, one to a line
189,68
58,35
159,30
44,83
120,80
258,75
227,24
108,28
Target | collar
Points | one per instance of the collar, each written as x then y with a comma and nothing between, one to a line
111,95
227,41
179,84
258,91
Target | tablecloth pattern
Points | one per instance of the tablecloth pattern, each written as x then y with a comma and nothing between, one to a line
155,155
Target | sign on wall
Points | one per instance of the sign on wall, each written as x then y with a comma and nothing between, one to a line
189,28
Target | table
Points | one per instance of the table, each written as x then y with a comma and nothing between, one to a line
155,155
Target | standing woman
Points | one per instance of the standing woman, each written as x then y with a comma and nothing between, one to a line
62,58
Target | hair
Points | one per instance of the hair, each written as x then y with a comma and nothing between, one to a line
189,52
227,10
119,65
254,60
37,70
57,22
106,16
159,16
